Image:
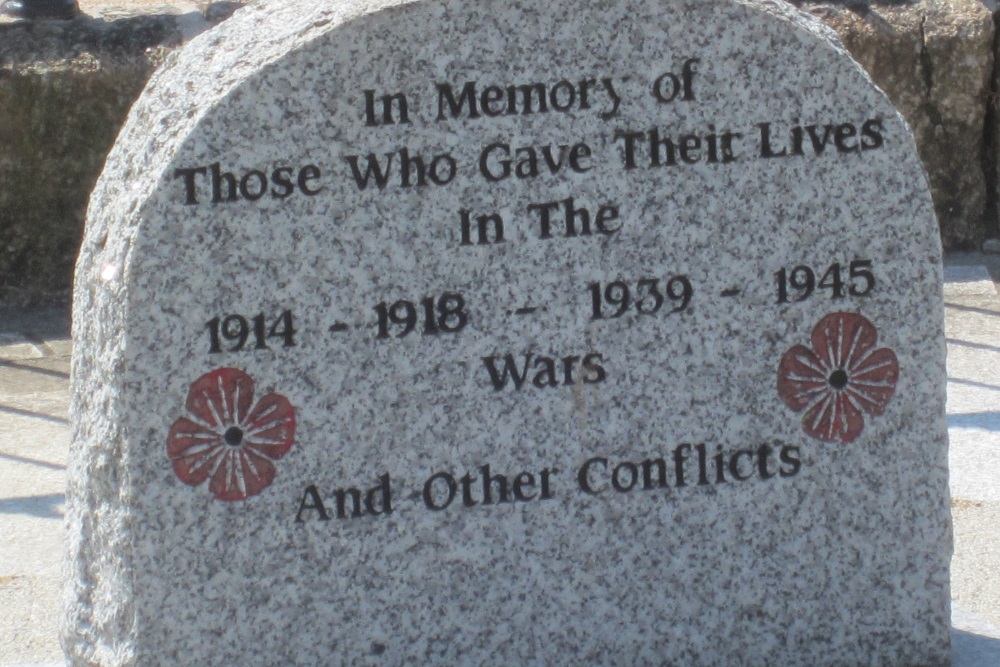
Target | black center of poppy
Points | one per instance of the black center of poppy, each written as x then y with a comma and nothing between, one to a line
234,436
838,380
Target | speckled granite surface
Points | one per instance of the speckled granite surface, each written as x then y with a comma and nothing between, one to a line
468,332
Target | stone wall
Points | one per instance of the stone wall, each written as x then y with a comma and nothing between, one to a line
63,95
935,61
65,88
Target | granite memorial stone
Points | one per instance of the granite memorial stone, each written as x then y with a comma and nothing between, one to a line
472,332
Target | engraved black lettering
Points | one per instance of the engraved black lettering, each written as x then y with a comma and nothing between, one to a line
386,103
373,170
767,149
585,86
522,483
546,371
491,102
307,174
467,98
680,456
283,185
545,375
871,135
616,100
593,371
342,496
545,220
577,154
624,477
583,475
790,457
840,138
227,187
466,481
690,148
819,142
190,191
413,170
798,141
485,224
441,171
763,455
844,137
564,96
520,99
630,139
598,474
568,363
223,178
654,149
483,487
544,476
251,191
351,502
720,466
648,467
496,163
378,500
432,499
734,464
656,145
489,480
668,86
702,464
509,372
311,501
576,221
689,69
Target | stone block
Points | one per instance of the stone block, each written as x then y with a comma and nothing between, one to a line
65,89
934,59
471,332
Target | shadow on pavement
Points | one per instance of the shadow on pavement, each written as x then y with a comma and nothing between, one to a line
975,346
33,369
973,383
972,309
34,415
43,507
984,421
34,462
971,650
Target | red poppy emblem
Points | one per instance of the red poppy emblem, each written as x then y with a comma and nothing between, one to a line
229,439
842,378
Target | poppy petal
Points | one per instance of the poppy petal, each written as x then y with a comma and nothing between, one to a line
802,378
270,427
873,381
834,419
238,478
220,398
186,434
194,468
841,339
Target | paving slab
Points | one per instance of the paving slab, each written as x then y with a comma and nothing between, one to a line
34,440
972,316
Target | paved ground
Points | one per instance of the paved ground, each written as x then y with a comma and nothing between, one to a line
972,325
34,437
34,434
